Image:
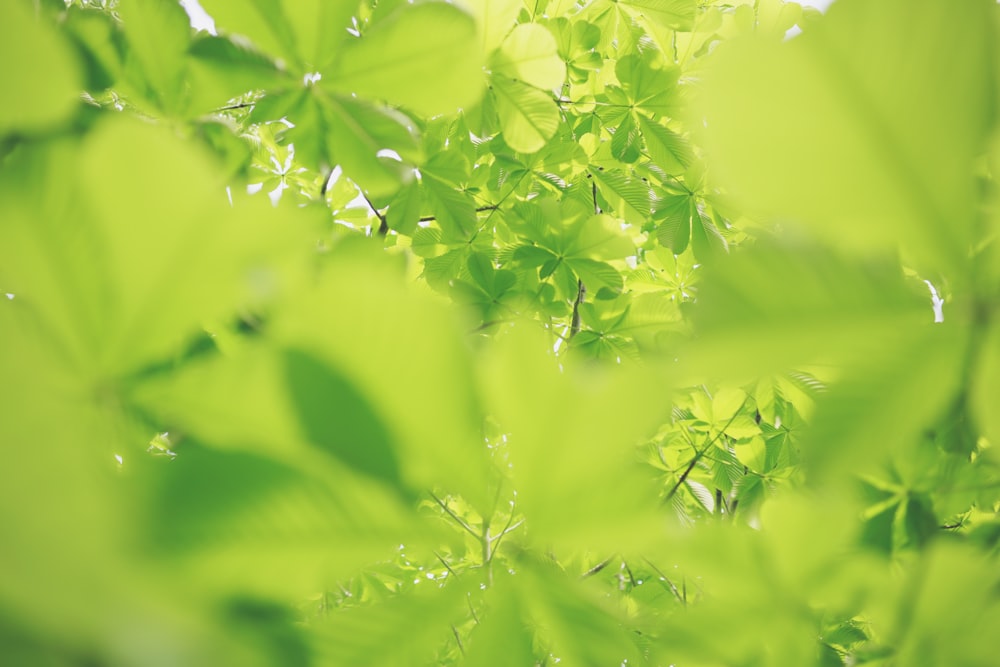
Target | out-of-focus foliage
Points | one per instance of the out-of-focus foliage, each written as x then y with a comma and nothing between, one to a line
500,333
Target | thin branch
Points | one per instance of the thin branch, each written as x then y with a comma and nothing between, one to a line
383,227
481,209
445,563
232,107
597,568
458,640
458,519
574,325
628,570
468,598
670,584
506,529
699,454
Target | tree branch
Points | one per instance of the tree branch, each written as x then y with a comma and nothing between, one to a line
462,522
701,452
383,227
597,568
574,325
432,218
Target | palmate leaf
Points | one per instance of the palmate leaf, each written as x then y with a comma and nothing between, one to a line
338,419
391,62
154,270
528,116
860,116
358,132
568,450
782,307
630,198
236,522
158,33
529,54
441,179
25,39
667,149
676,14
648,87
405,631
219,70
264,22
684,222
864,420
364,321
495,18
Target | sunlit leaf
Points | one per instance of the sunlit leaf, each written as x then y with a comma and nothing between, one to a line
391,62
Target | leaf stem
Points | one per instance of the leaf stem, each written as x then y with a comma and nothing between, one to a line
701,453
462,522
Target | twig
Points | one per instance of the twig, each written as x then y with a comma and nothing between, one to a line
383,227
699,454
574,325
458,640
458,519
670,584
445,563
597,568
432,218
506,529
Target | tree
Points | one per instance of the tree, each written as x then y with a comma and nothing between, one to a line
590,332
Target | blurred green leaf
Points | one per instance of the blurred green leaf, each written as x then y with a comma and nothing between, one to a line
392,61
832,129
45,87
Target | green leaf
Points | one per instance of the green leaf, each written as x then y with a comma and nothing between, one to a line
365,321
157,265
158,33
647,86
394,63
263,22
357,134
529,54
32,105
676,14
597,237
629,197
403,631
320,28
859,116
495,18
567,446
676,213
528,117
339,419
670,151
781,307
625,142
219,70
442,177
242,522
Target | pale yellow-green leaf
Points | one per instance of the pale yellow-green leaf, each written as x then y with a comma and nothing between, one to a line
528,116
158,32
856,128
494,19
320,26
987,389
125,263
40,78
405,352
394,61
572,437
530,54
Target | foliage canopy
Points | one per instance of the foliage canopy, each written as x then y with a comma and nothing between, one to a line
589,332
